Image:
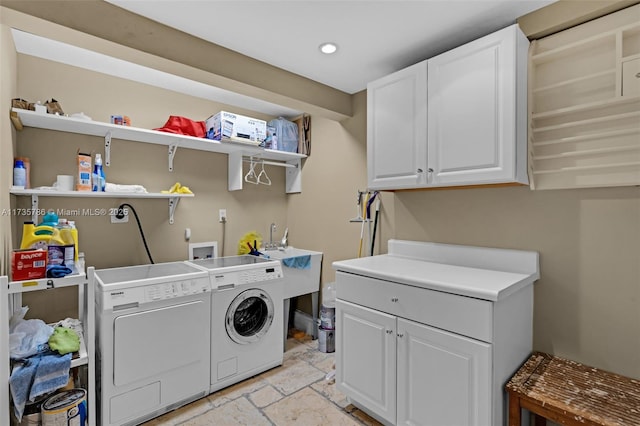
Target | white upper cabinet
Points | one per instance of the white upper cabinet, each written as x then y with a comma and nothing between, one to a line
476,130
477,111
397,129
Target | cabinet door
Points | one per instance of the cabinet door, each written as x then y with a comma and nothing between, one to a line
473,109
443,378
366,358
397,129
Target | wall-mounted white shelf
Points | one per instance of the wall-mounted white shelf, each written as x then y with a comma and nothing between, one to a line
109,131
584,112
36,193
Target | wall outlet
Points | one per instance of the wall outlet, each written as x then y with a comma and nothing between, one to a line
222,215
120,215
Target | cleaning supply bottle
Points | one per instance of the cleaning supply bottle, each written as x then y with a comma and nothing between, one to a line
328,309
74,234
19,174
98,179
69,249
49,219
39,237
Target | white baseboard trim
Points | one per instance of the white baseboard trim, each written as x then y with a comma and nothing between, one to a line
304,322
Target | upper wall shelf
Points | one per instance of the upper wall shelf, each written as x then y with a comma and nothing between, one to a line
584,105
109,131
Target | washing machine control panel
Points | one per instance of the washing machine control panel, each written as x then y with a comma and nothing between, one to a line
247,275
131,297
176,289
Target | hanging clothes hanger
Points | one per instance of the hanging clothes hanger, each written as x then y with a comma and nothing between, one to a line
251,176
262,177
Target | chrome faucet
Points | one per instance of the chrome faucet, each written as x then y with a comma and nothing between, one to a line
272,228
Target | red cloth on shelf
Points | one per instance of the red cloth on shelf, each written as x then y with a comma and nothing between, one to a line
184,126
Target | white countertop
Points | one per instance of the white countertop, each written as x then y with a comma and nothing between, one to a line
484,280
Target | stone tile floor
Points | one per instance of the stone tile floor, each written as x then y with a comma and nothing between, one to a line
296,393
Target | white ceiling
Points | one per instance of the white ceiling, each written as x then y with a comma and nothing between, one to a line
375,37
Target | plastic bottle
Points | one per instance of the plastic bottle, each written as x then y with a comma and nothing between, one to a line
69,235
49,219
98,179
74,234
19,174
70,247
39,237
328,309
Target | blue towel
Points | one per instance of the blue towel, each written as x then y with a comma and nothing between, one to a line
20,383
37,376
52,374
58,271
298,262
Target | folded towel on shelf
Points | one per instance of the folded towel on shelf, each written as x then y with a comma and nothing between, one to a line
298,262
52,373
116,187
58,271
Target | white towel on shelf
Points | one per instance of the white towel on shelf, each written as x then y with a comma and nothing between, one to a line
115,187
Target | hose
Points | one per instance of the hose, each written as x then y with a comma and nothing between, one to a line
144,240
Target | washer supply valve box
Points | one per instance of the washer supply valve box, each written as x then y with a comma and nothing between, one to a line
228,125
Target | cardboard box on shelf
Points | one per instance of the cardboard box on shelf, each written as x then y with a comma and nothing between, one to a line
28,264
84,172
228,125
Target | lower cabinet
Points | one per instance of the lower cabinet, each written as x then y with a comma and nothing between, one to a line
406,373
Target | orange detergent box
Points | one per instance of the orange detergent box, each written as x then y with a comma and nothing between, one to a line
28,264
84,172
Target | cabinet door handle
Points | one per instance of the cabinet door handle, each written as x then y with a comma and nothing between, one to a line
430,170
419,171
389,331
394,299
400,335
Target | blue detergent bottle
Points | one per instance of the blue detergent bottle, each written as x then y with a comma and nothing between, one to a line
97,178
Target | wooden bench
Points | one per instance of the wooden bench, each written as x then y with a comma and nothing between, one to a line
570,393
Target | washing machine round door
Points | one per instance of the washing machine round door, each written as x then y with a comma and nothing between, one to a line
249,316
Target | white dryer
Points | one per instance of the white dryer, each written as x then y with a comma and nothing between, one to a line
153,331
246,317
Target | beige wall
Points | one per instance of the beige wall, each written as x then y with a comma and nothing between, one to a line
586,304
318,218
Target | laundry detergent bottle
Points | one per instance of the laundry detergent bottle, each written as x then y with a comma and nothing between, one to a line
39,237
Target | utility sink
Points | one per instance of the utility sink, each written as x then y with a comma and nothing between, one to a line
299,281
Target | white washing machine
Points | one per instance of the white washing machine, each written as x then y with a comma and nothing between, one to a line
153,340
246,317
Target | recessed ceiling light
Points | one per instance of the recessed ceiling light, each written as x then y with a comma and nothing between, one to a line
328,48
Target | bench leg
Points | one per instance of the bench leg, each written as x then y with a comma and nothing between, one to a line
514,410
